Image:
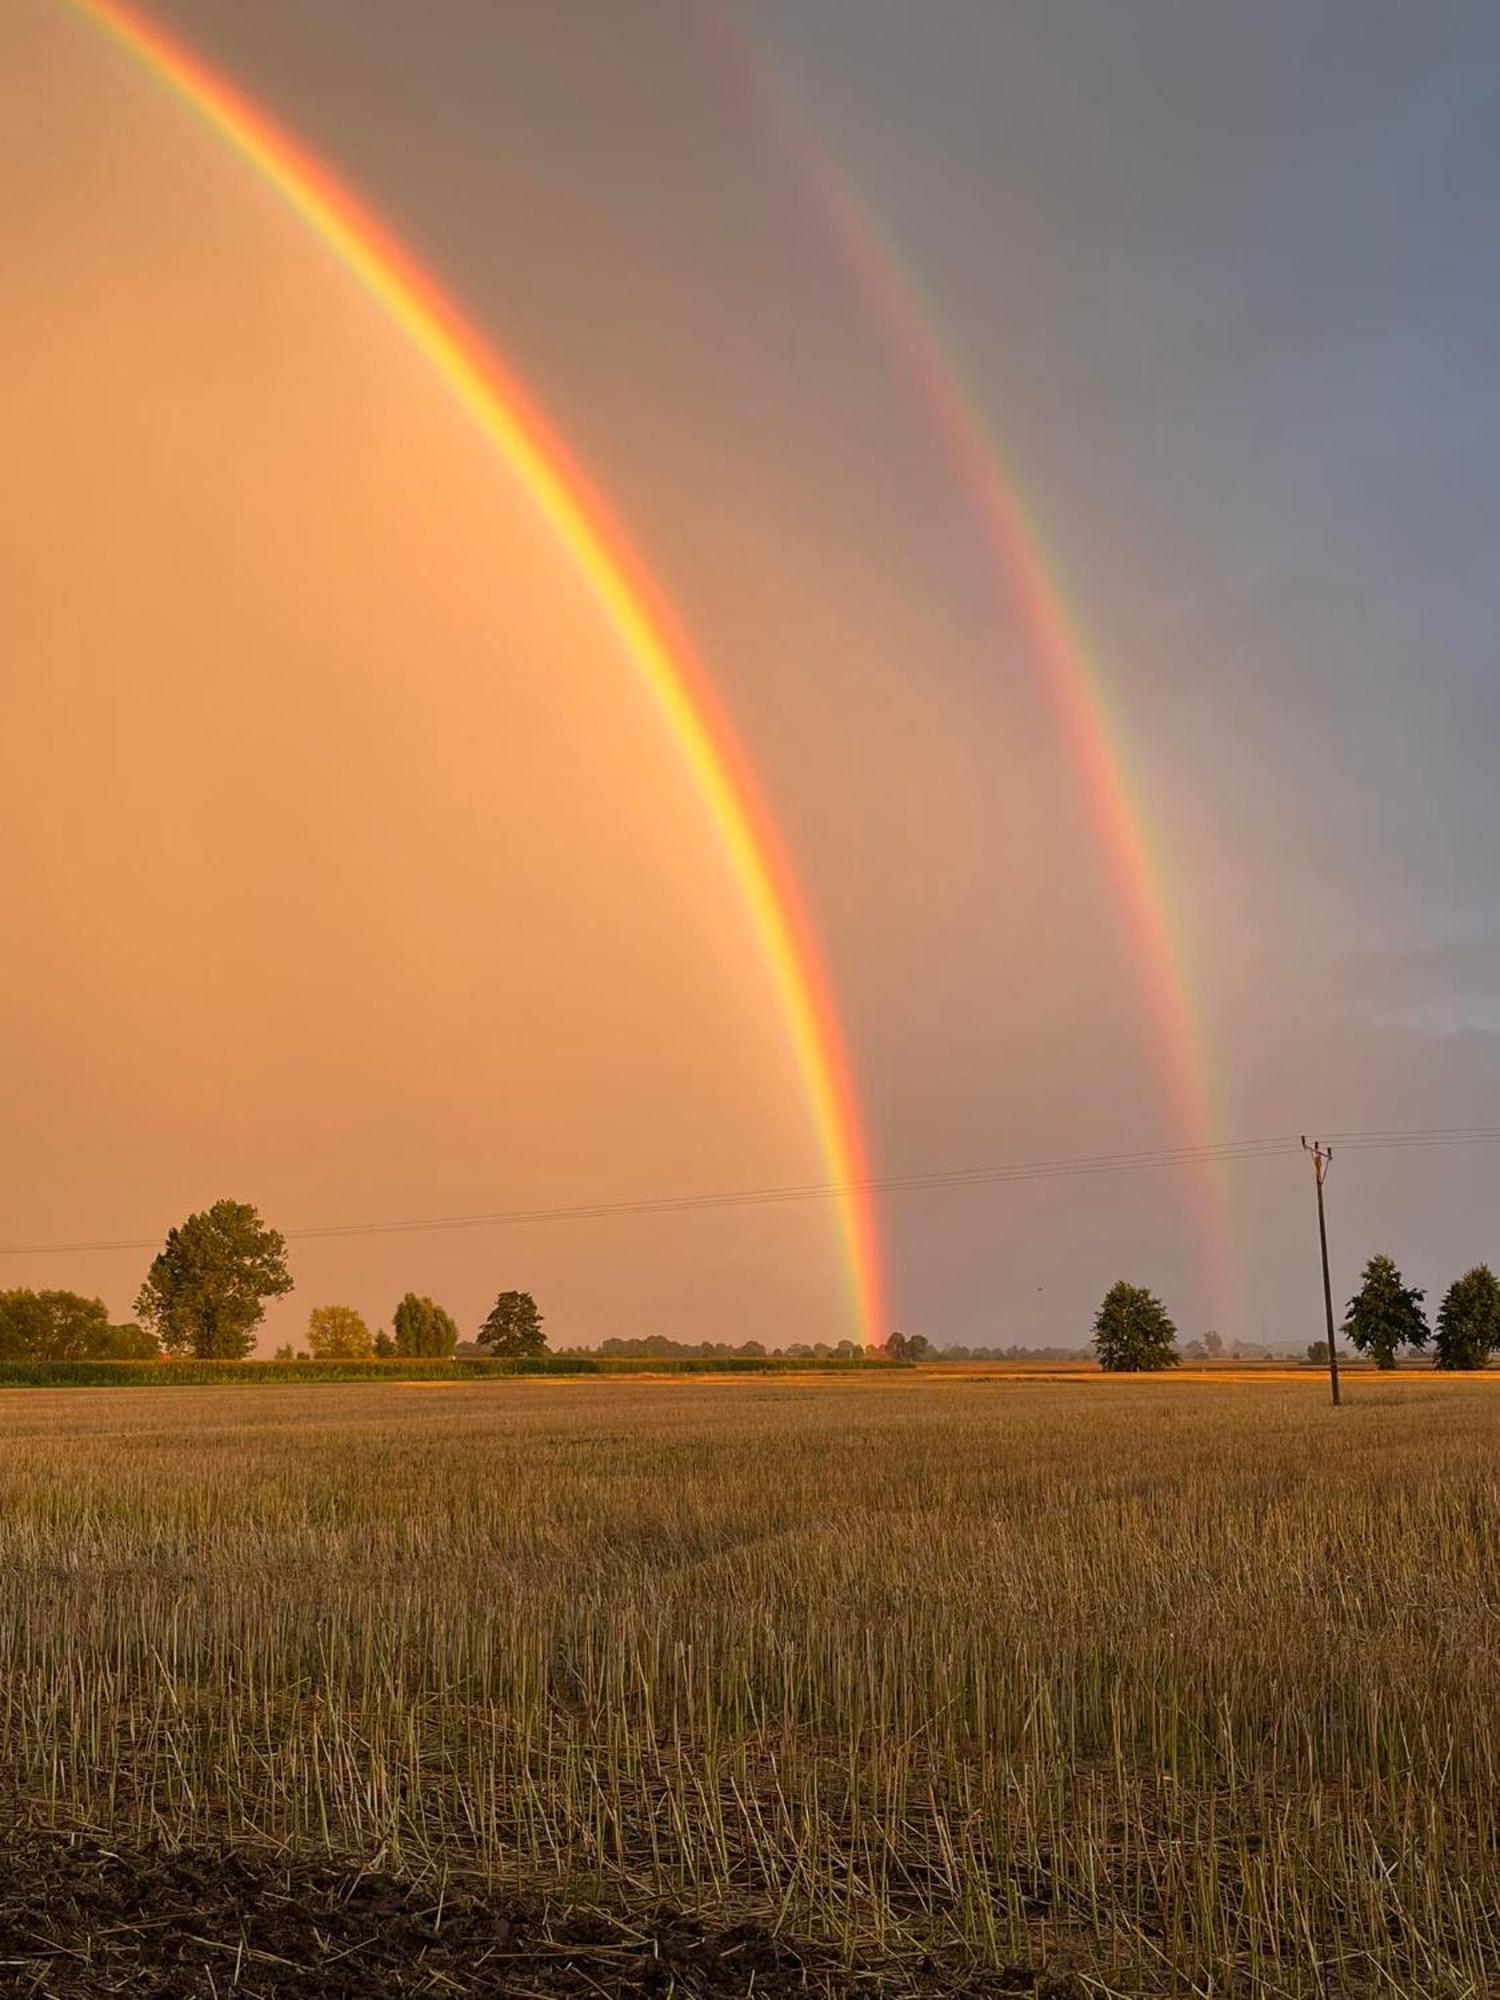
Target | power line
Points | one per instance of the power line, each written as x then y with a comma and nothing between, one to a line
1069,1167
1470,1135
735,1198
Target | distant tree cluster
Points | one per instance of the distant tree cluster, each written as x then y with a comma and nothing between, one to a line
909,1348
1213,1347
422,1330
205,1297
901,1348
1012,1353
656,1346
64,1326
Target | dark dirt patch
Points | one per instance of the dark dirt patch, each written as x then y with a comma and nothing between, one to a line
82,1916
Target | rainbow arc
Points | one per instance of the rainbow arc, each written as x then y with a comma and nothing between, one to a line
668,668
1034,596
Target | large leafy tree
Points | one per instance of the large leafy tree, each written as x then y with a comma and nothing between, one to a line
65,1326
513,1327
1132,1331
207,1288
421,1327
1468,1321
337,1333
1385,1314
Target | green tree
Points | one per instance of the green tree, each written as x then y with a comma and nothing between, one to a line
337,1333
513,1327
421,1327
1468,1321
385,1347
1132,1331
65,1326
48,1326
207,1288
1385,1314
128,1342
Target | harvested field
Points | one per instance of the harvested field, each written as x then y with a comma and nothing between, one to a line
874,1684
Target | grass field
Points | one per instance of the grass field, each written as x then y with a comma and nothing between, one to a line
1003,1685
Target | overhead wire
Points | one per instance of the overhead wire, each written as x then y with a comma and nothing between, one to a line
1154,1159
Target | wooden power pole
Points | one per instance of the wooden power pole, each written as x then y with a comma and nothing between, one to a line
1321,1155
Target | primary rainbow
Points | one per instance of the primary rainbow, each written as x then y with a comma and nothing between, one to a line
1066,662
661,654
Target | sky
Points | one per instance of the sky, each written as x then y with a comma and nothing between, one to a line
344,867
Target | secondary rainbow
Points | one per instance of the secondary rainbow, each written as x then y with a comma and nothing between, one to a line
1065,660
633,605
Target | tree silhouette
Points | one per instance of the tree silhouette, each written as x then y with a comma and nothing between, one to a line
1468,1321
514,1327
206,1291
1385,1314
1132,1332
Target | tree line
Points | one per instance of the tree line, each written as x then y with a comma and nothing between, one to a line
206,1292
205,1296
909,1347
1133,1331
65,1326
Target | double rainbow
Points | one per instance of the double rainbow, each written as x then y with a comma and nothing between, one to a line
1034,594
668,669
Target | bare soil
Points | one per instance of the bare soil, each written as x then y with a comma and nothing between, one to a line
80,1916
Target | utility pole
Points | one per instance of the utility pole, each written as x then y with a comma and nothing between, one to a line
1321,1157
